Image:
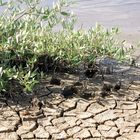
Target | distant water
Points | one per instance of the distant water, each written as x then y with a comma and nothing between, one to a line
121,13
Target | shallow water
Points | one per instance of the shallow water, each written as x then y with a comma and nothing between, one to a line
121,13
124,14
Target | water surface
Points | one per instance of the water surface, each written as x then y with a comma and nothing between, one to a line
121,13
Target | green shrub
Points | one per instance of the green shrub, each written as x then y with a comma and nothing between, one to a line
28,31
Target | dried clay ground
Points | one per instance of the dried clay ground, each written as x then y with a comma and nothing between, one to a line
71,110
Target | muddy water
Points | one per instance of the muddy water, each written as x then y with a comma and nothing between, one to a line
121,13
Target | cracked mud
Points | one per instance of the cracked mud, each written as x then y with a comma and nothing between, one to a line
116,116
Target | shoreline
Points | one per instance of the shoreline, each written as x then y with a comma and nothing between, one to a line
129,33
130,37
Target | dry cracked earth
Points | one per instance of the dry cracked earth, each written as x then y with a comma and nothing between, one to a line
115,116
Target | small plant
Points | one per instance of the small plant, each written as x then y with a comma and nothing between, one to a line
26,34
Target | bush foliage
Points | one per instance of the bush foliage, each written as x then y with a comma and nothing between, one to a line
28,31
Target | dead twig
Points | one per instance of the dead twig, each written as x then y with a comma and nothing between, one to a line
50,92
130,84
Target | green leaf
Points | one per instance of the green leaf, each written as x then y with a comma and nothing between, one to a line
2,3
45,17
65,13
